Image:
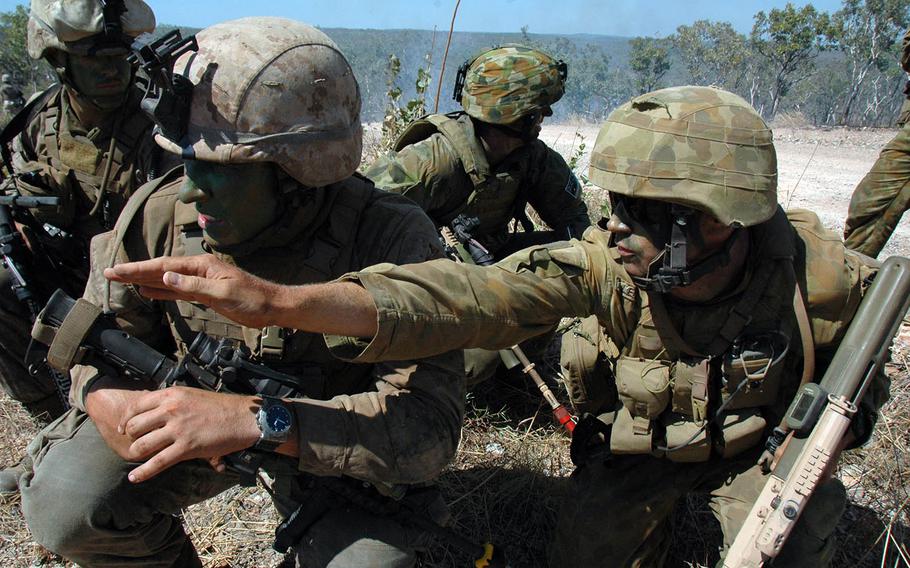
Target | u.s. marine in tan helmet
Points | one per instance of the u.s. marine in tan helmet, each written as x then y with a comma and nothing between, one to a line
84,141
270,149
698,279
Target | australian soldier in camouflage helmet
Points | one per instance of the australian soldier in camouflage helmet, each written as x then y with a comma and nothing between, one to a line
696,279
479,169
268,184
881,198
486,163
84,141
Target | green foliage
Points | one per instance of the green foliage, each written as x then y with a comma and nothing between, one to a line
32,75
576,155
713,53
649,59
398,115
789,40
866,33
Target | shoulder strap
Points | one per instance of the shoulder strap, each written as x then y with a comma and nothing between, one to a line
136,202
19,122
469,151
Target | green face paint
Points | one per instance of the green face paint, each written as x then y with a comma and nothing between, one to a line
235,202
103,79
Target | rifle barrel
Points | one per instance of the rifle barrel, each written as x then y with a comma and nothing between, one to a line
29,202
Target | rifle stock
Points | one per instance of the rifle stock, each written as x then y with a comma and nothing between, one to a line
820,416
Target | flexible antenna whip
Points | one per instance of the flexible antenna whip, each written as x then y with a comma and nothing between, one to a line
445,55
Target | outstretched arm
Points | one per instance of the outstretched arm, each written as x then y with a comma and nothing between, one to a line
342,308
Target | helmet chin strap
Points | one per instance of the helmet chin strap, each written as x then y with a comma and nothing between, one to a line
669,270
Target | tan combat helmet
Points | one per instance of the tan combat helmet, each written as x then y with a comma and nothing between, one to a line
503,84
697,148
86,27
700,147
271,90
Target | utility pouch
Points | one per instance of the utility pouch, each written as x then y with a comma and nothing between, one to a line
643,386
687,441
691,377
585,365
757,359
739,432
631,434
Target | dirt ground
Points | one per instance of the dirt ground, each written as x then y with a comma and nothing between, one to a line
512,466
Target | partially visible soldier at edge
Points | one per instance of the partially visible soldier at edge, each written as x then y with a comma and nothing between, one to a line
881,198
13,100
486,162
271,145
690,170
85,141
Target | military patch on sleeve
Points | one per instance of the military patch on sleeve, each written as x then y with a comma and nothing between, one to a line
573,188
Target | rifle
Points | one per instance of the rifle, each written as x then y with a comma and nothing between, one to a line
78,332
461,247
13,253
820,415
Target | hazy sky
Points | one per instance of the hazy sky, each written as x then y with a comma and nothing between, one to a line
609,17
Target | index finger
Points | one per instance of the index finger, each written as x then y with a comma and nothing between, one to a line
150,272
164,459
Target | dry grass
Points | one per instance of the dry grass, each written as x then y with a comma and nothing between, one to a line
508,480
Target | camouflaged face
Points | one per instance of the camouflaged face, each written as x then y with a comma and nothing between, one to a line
272,90
697,146
504,83
68,25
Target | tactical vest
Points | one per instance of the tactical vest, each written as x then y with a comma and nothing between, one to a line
79,171
497,196
669,393
326,253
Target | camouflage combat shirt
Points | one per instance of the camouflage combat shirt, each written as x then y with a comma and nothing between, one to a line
437,306
431,173
396,422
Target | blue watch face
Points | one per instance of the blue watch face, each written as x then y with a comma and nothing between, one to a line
278,419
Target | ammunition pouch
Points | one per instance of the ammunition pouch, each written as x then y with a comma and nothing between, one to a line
667,409
585,362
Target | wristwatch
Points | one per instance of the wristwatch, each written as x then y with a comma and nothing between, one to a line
275,421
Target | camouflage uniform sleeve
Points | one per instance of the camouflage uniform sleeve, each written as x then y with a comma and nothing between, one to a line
428,173
439,305
556,195
406,429
836,279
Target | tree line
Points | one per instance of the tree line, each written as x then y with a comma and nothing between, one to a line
835,69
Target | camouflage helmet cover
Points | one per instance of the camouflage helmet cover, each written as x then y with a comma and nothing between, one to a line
271,90
700,147
504,83
71,25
